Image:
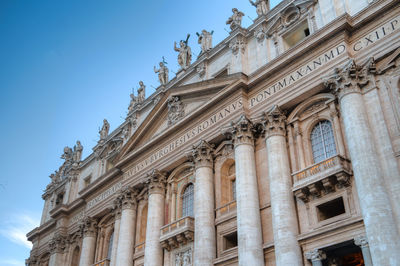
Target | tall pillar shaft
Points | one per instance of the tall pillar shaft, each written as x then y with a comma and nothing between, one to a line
89,228
247,201
57,248
204,245
117,223
375,205
284,218
126,228
153,253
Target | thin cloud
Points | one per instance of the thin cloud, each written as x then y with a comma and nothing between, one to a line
12,262
16,228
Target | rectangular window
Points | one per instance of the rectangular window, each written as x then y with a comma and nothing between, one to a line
230,241
330,209
296,35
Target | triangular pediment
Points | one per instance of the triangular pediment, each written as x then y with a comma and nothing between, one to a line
175,104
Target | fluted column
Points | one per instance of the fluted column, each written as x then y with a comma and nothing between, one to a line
362,242
153,253
284,218
247,201
89,227
316,256
204,239
57,248
117,223
375,205
127,227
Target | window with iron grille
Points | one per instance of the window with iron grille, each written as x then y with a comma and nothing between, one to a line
187,201
322,141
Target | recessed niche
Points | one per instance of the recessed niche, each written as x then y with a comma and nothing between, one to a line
330,209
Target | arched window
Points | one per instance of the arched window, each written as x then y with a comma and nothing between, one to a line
187,201
322,141
110,245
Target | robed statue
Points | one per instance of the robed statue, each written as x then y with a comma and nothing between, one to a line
162,73
185,53
261,6
235,20
205,40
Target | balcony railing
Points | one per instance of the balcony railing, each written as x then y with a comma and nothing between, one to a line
322,178
177,233
225,209
105,262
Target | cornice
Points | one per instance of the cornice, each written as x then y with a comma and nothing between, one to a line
41,229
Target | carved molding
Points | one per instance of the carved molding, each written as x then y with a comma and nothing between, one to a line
156,182
58,244
201,69
242,131
127,199
361,241
238,44
275,122
202,154
89,227
315,255
351,78
176,110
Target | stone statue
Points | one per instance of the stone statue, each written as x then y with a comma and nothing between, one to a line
236,19
261,6
178,259
104,130
175,110
77,154
185,53
132,103
67,155
162,73
205,40
141,92
54,177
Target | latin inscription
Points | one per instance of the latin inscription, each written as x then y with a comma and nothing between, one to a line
377,34
110,191
217,118
297,75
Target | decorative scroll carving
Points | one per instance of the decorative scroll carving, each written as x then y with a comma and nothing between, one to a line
275,122
315,255
361,241
156,182
242,131
202,154
127,199
238,44
58,244
176,110
351,78
184,258
89,227
201,69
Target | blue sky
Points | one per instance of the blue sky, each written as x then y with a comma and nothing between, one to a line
67,65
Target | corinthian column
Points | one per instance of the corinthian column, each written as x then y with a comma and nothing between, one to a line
375,205
126,236
89,228
117,222
153,252
204,238
248,205
57,247
316,256
284,221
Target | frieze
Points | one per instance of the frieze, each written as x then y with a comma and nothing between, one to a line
106,194
195,131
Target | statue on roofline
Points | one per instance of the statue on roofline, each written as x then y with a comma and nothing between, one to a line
236,19
77,154
185,53
262,7
162,73
104,130
141,92
205,40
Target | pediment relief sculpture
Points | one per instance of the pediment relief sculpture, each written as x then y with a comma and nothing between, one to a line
176,110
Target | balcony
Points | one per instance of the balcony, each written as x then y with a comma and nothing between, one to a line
322,178
177,233
226,209
105,262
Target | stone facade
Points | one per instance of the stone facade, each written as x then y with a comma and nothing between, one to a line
279,146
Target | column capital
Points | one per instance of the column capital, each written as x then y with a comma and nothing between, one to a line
275,122
88,227
315,255
58,244
156,182
361,241
351,78
128,198
242,131
117,207
202,154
